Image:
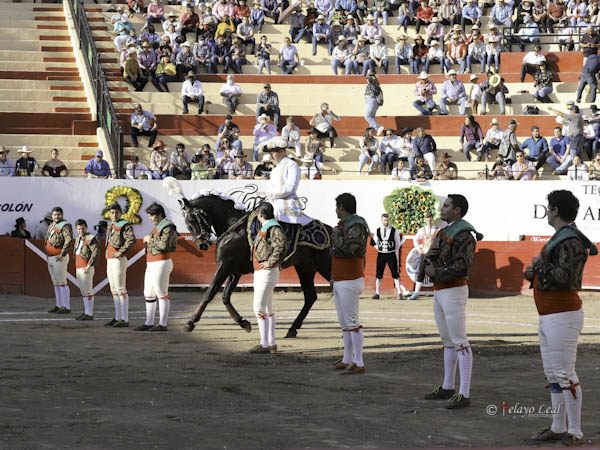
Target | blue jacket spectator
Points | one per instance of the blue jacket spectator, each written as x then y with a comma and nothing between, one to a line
97,167
537,147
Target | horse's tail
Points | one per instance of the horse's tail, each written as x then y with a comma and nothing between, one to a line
173,186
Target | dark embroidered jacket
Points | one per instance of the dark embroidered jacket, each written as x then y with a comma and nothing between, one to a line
270,246
563,269
351,243
452,259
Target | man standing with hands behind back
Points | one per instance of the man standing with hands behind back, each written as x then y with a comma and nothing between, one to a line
59,239
387,240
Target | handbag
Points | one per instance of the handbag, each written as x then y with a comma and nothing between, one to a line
531,110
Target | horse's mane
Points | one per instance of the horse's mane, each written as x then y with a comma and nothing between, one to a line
223,196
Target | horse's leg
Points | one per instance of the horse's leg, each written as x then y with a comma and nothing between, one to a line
322,261
306,274
220,276
230,285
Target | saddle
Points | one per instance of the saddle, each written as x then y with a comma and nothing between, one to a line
313,235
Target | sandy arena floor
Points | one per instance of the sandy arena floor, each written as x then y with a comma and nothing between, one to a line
78,385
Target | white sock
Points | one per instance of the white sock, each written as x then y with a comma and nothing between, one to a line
124,307
465,365
164,305
58,296
559,420
346,335
150,312
85,306
262,329
450,360
574,411
271,330
397,284
117,302
377,285
91,305
66,296
357,346
418,287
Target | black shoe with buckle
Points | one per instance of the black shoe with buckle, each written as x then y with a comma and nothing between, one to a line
375,297
158,328
143,327
53,310
458,401
110,323
439,393
63,310
86,317
121,324
570,440
547,435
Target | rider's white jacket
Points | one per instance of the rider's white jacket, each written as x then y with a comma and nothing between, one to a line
285,178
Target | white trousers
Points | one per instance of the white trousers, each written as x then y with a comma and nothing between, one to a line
58,270
120,42
346,295
264,283
558,335
449,309
116,271
430,159
156,279
86,281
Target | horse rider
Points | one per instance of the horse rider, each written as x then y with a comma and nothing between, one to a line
283,184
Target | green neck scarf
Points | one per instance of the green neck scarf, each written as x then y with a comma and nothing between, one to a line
268,224
458,226
568,232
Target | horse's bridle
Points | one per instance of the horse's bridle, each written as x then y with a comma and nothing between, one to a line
202,219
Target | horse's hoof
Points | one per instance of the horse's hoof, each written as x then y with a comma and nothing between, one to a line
246,325
189,326
291,333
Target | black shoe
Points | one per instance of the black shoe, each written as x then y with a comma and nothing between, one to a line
401,297
375,297
547,435
110,323
143,327
458,401
158,328
63,310
121,324
53,310
80,317
439,393
86,317
570,440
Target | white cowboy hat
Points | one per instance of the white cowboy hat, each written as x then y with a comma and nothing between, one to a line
495,122
263,116
434,42
451,72
370,17
267,158
473,77
423,76
24,149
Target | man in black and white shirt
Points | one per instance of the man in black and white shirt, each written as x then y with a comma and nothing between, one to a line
387,240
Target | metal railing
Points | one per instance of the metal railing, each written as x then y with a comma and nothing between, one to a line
510,32
105,112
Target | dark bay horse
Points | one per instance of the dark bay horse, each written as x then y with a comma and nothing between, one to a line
211,212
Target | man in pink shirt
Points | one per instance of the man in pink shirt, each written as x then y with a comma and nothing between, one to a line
156,12
223,8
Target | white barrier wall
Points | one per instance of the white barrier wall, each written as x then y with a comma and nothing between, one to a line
501,210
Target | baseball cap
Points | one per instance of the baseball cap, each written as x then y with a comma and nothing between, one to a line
513,122
99,153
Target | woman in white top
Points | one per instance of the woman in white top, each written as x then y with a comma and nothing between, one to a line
493,47
368,150
475,94
389,150
578,170
322,122
405,146
291,133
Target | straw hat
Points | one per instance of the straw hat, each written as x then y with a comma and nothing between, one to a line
495,80
424,76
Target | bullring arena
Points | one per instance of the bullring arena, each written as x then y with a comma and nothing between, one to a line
76,73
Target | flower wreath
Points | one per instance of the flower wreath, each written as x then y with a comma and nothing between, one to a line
408,206
132,204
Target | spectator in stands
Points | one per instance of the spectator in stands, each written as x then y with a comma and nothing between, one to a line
574,123
591,131
471,14
378,55
373,100
135,170
230,94
557,12
492,140
267,103
456,53
271,9
342,56
595,168
523,170
493,91
155,12
446,169
165,72
403,53
7,166
368,151
20,230
320,33
190,21
117,16
524,9
199,168
424,15
150,36
238,55
186,61
26,164
493,48
296,22
405,146
532,61
565,37
257,16
180,162
263,170
172,34
589,43
121,32
509,144
322,122
335,33
389,151
202,54
542,84
147,60
312,169
288,57
220,55
41,228
97,167
360,55
226,146
172,21
224,162
559,157
453,92
537,148
381,9
263,55
226,25
159,161
132,72
263,131
208,157
588,76
419,57
471,137
371,30
435,55
501,14
314,147
474,94
449,13
421,171
208,23
223,8
351,30
401,172
143,123
501,170
424,146
245,33
529,33
240,169
578,170
54,167
435,31
291,133
424,92
226,130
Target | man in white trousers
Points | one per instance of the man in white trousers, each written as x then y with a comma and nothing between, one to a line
422,242
348,251
58,242
267,254
388,241
160,244
448,264
119,240
556,278
86,254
